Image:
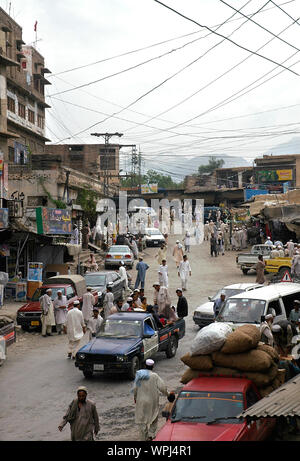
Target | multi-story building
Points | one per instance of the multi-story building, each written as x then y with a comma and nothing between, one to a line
277,173
22,74
100,161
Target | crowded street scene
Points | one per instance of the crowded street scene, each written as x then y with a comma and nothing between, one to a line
149,286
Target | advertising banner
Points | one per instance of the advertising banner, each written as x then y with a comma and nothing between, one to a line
149,188
266,176
3,218
35,272
53,221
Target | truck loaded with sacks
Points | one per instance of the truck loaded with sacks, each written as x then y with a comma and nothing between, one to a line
217,350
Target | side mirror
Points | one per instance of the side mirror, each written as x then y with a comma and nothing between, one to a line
209,298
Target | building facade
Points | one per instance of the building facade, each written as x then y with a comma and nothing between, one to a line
277,173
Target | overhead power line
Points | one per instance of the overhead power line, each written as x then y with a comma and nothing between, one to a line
148,46
223,36
259,25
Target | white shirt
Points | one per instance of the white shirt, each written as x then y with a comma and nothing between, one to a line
88,302
184,268
123,273
74,324
163,275
59,313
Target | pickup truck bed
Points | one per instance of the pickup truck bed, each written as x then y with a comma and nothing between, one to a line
128,339
7,337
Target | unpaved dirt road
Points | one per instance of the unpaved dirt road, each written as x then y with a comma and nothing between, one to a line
37,381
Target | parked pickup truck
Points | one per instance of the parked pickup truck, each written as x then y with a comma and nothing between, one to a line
278,266
247,261
72,286
127,340
209,409
7,336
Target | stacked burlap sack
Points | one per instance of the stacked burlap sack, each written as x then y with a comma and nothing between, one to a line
217,350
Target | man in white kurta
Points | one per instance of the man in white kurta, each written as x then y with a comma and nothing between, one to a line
108,302
163,299
60,311
147,388
47,317
123,275
178,253
88,302
184,272
163,274
75,329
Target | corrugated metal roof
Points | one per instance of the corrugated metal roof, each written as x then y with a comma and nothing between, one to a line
284,401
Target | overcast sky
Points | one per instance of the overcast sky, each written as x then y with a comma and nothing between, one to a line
73,33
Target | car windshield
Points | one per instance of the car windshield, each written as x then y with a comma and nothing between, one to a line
95,280
242,310
153,232
228,292
121,329
119,249
41,291
205,407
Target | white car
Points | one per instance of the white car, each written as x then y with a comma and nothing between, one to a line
153,237
204,314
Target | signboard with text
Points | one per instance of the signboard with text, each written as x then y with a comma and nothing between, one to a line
265,176
35,272
53,221
149,189
3,218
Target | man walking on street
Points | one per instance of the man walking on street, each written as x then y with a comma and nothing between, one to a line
163,274
141,267
88,302
60,311
147,388
184,271
47,317
94,324
182,305
123,275
75,329
108,301
82,416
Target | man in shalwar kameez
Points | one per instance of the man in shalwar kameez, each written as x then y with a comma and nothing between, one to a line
47,317
82,416
147,388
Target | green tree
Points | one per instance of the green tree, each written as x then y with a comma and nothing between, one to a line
88,199
153,177
212,165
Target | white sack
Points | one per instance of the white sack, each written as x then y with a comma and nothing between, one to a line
210,339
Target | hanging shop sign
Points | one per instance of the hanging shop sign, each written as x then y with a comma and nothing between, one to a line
35,272
53,221
3,218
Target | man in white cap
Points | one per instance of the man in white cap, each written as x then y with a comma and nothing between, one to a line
60,311
108,301
82,416
266,330
128,305
269,241
123,275
74,328
178,253
184,271
163,274
88,302
47,317
147,388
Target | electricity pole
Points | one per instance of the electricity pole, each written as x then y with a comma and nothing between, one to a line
106,137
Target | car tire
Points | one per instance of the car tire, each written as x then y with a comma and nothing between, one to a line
134,367
87,374
245,271
172,347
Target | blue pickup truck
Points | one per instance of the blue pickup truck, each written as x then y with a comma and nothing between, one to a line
127,340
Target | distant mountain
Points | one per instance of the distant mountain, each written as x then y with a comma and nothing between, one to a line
178,167
290,147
